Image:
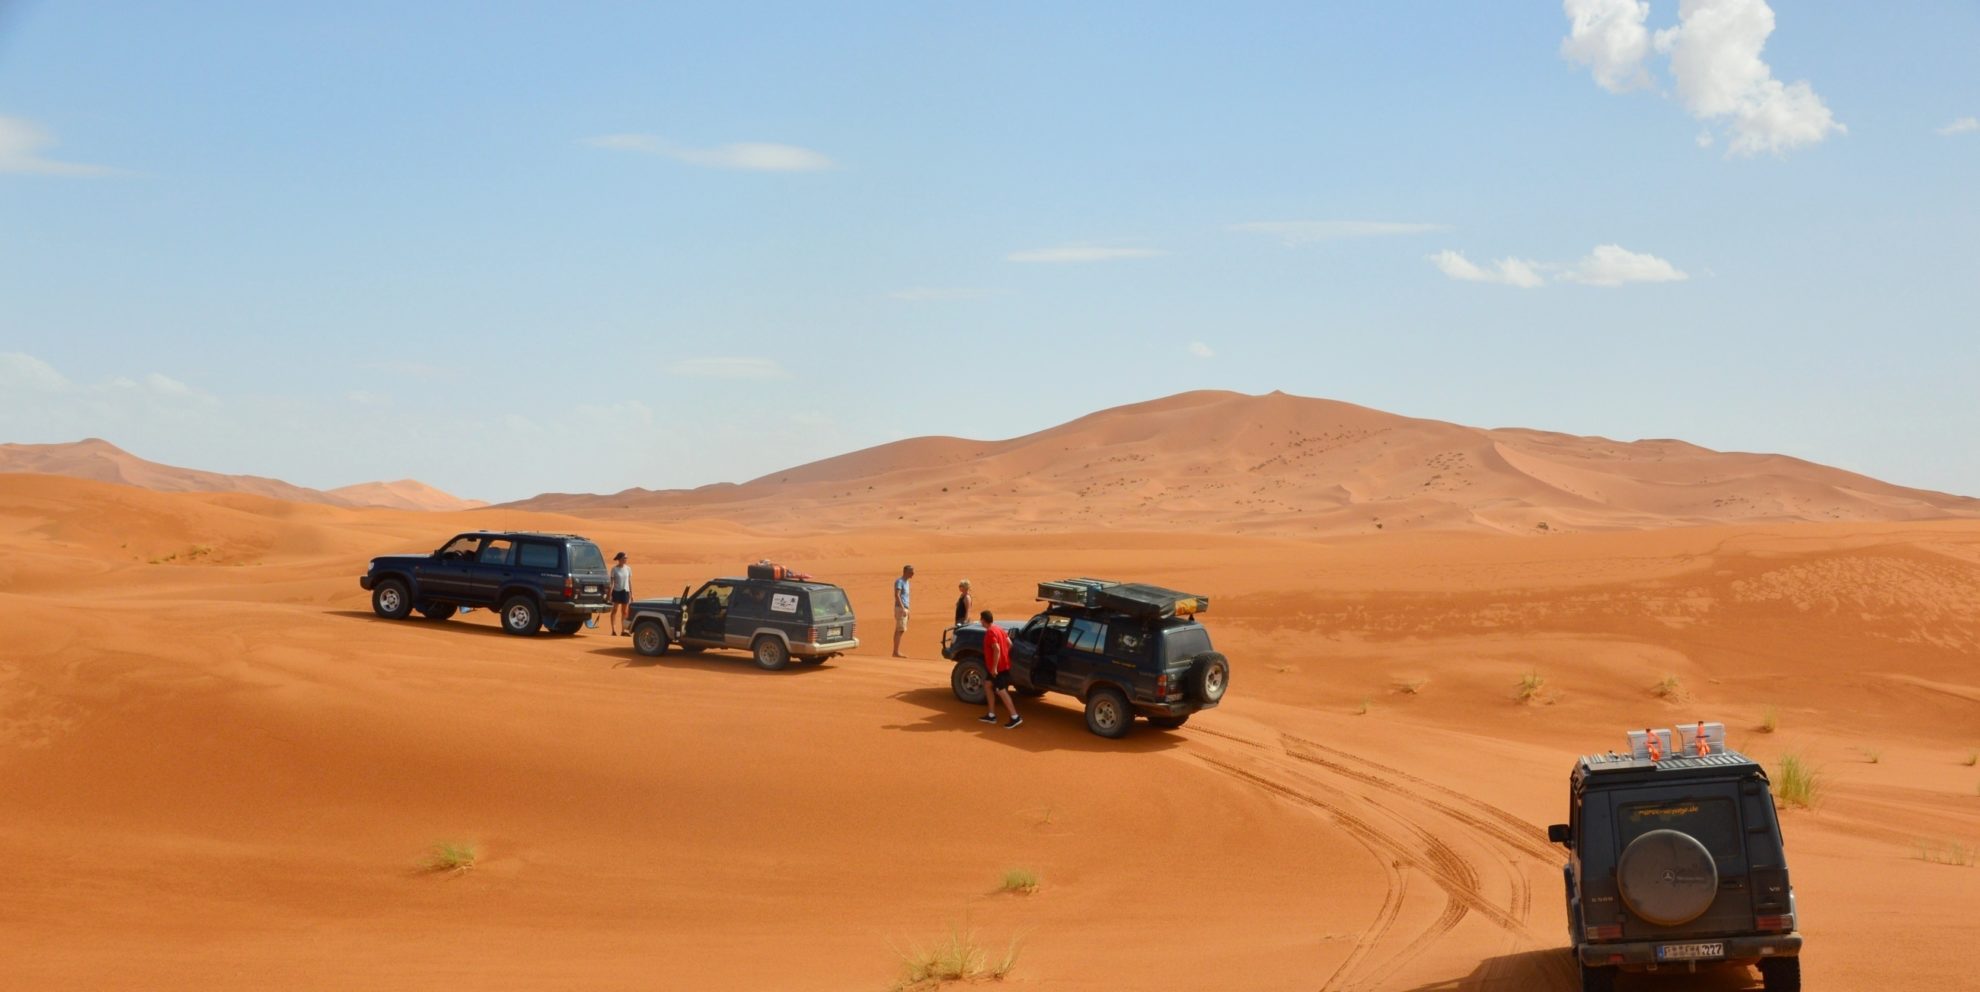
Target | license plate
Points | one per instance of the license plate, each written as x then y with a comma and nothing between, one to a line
590,588
1689,952
833,631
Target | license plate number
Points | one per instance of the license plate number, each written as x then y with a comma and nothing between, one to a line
833,631
1689,952
590,588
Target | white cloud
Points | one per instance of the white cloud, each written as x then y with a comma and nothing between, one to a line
1298,232
1200,350
728,368
1609,37
1714,54
365,397
25,372
21,144
753,156
1506,271
1964,125
933,294
1081,253
1614,265
1715,57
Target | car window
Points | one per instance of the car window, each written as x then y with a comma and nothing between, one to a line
829,601
712,594
1088,635
585,557
534,555
496,551
750,601
1127,643
1714,822
461,547
1184,642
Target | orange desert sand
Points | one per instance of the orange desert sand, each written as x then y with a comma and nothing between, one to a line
221,771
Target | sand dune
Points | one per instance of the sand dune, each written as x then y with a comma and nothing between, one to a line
1279,464
222,772
95,458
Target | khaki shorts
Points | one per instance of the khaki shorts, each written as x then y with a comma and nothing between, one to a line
900,621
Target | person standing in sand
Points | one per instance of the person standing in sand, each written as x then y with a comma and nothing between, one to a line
901,593
621,596
997,669
962,603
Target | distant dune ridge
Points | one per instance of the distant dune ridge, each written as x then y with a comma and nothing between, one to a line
1276,463
95,458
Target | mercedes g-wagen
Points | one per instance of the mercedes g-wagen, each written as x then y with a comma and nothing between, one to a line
772,613
1121,648
1675,862
556,581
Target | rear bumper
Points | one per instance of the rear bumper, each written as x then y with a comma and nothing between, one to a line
1184,708
1638,954
807,648
575,609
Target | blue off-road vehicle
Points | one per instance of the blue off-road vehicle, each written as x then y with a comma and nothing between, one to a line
773,614
1121,648
1675,862
552,581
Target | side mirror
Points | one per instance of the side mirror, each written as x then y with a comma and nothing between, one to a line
1558,834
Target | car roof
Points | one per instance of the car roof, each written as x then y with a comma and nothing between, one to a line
524,533
796,583
1628,769
1095,613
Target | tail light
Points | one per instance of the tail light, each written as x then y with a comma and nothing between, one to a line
1778,923
570,587
1161,685
1607,931
811,635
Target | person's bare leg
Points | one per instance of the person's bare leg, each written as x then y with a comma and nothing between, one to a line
1009,703
897,641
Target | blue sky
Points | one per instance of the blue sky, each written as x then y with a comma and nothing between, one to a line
517,248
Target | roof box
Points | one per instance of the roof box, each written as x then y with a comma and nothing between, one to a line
1132,598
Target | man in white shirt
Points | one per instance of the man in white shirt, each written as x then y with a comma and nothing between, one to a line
901,591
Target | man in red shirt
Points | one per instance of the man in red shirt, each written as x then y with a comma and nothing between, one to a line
997,666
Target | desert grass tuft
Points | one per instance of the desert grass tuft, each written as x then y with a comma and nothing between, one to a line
1948,853
959,957
1529,688
1666,687
1770,719
1412,687
1798,783
1022,881
451,858
1873,755
1973,757
1362,710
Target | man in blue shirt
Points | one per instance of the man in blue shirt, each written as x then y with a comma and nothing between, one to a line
901,607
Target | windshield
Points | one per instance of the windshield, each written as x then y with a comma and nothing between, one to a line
1179,643
585,557
829,602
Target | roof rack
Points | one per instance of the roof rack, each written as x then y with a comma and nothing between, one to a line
1697,744
1132,598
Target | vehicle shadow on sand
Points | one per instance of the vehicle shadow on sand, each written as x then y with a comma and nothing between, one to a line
1553,970
739,663
450,623
1046,727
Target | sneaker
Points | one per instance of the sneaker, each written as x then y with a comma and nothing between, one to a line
1013,724
988,718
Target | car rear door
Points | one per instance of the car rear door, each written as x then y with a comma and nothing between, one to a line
494,567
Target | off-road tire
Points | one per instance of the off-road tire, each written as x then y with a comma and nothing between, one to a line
970,681
1780,974
521,616
1108,713
1209,678
391,600
437,611
771,654
1168,722
1597,979
1667,877
650,638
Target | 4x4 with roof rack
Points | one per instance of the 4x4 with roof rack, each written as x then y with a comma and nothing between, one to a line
774,614
1121,648
556,581
1675,862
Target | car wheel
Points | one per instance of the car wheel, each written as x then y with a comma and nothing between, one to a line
1107,713
771,654
1598,979
1210,677
1168,722
1667,877
437,611
391,600
969,681
520,616
565,627
1780,974
649,638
